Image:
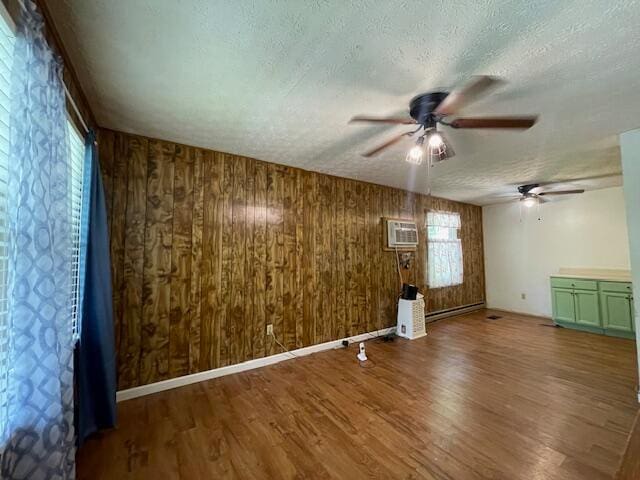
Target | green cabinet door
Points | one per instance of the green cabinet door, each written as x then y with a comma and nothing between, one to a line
587,308
563,305
617,311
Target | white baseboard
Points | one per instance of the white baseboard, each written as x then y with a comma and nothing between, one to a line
453,312
151,388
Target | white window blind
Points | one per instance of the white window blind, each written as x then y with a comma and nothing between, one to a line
444,258
76,160
6,55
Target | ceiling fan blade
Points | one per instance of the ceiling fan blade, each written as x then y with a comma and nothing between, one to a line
394,121
387,144
470,92
521,123
506,200
563,192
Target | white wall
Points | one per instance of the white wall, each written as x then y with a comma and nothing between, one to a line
630,152
587,230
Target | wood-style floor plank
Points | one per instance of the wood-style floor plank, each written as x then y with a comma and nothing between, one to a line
498,399
630,465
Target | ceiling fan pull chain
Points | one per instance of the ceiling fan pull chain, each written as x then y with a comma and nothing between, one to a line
429,176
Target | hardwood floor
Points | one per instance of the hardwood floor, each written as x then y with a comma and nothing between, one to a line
500,399
630,465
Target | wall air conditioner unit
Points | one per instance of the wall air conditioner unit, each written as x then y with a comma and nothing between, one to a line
411,318
402,234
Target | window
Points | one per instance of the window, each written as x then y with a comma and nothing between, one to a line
6,47
444,259
76,160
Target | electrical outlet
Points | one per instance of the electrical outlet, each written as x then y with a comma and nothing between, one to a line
270,329
523,296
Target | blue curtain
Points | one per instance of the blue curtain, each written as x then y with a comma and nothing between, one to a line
96,362
38,433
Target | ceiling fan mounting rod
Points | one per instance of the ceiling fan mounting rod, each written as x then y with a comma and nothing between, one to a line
411,134
422,108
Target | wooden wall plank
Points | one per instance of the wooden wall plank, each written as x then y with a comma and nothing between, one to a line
249,263
260,260
133,268
359,247
389,264
274,272
212,306
309,261
299,273
225,331
154,350
340,256
195,290
351,274
208,248
117,240
324,254
289,292
372,258
238,300
278,319
181,256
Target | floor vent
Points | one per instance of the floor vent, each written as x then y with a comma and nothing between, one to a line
494,317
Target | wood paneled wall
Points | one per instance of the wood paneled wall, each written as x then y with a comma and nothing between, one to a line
208,248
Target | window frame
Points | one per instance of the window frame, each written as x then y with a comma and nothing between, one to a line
452,241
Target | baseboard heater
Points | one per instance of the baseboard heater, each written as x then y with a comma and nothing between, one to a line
452,312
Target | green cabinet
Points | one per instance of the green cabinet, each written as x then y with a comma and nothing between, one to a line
617,307
593,305
587,308
564,309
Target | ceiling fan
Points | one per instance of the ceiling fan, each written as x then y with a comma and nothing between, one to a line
531,194
427,110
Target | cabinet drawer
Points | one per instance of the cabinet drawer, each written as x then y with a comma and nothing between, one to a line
574,283
621,287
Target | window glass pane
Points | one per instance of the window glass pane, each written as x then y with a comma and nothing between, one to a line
444,256
442,233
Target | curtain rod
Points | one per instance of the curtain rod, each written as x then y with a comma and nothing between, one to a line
75,107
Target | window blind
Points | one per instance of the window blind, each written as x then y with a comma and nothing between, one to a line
76,164
6,55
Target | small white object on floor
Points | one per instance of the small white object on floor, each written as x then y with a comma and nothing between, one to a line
362,356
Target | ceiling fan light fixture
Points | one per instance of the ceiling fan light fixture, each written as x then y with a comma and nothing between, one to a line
435,141
415,155
530,201
437,148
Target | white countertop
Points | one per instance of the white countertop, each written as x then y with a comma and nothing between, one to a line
608,275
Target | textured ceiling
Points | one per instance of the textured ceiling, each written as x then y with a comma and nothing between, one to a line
278,81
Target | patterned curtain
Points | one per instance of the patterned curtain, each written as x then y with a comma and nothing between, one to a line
444,259
38,435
